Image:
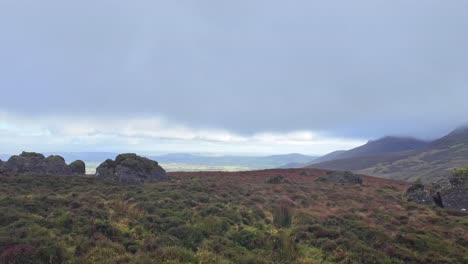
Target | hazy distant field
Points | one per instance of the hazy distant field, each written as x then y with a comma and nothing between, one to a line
91,167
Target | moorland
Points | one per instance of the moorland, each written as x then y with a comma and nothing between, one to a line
224,217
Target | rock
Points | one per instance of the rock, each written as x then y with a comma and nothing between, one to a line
341,177
31,163
131,169
451,192
78,167
459,178
278,179
27,163
455,194
55,165
438,200
418,193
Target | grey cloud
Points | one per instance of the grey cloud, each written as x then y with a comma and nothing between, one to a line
347,68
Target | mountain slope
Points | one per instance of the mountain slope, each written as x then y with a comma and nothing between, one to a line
431,162
330,156
383,146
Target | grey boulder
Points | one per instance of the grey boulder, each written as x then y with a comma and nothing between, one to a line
341,177
78,167
131,169
31,163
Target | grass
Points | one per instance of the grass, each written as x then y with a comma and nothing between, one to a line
222,217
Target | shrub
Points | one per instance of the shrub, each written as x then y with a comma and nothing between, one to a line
190,236
284,246
21,253
206,257
249,238
282,215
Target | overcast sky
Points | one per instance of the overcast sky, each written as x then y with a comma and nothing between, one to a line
229,76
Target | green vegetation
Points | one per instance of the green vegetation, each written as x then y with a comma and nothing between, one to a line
460,171
216,217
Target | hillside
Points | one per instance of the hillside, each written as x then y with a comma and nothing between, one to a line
330,156
383,146
431,162
220,217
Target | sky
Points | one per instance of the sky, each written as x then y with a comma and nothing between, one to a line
246,76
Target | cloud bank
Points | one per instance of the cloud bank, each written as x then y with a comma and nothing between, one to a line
207,70
151,136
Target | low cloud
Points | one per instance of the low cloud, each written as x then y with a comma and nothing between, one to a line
152,135
360,68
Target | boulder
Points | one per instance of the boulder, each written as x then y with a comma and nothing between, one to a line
78,167
450,192
418,193
455,194
341,177
131,169
31,163
27,163
56,165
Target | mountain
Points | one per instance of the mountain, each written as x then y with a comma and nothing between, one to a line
383,146
244,161
429,162
330,156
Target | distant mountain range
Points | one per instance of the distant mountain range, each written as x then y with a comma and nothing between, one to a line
404,158
389,157
241,162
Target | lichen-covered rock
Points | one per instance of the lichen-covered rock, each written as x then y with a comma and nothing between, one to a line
78,167
55,165
450,192
341,177
27,163
419,194
455,194
131,169
31,163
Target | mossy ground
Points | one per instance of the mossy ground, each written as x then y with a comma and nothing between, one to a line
220,217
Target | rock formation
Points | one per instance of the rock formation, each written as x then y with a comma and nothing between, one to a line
131,169
451,192
341,177
419,194
455,193
31,163
78,167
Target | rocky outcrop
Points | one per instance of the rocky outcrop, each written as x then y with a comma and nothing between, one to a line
341,177
451,192
131,169
31,163
455,193
78,167
418,193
